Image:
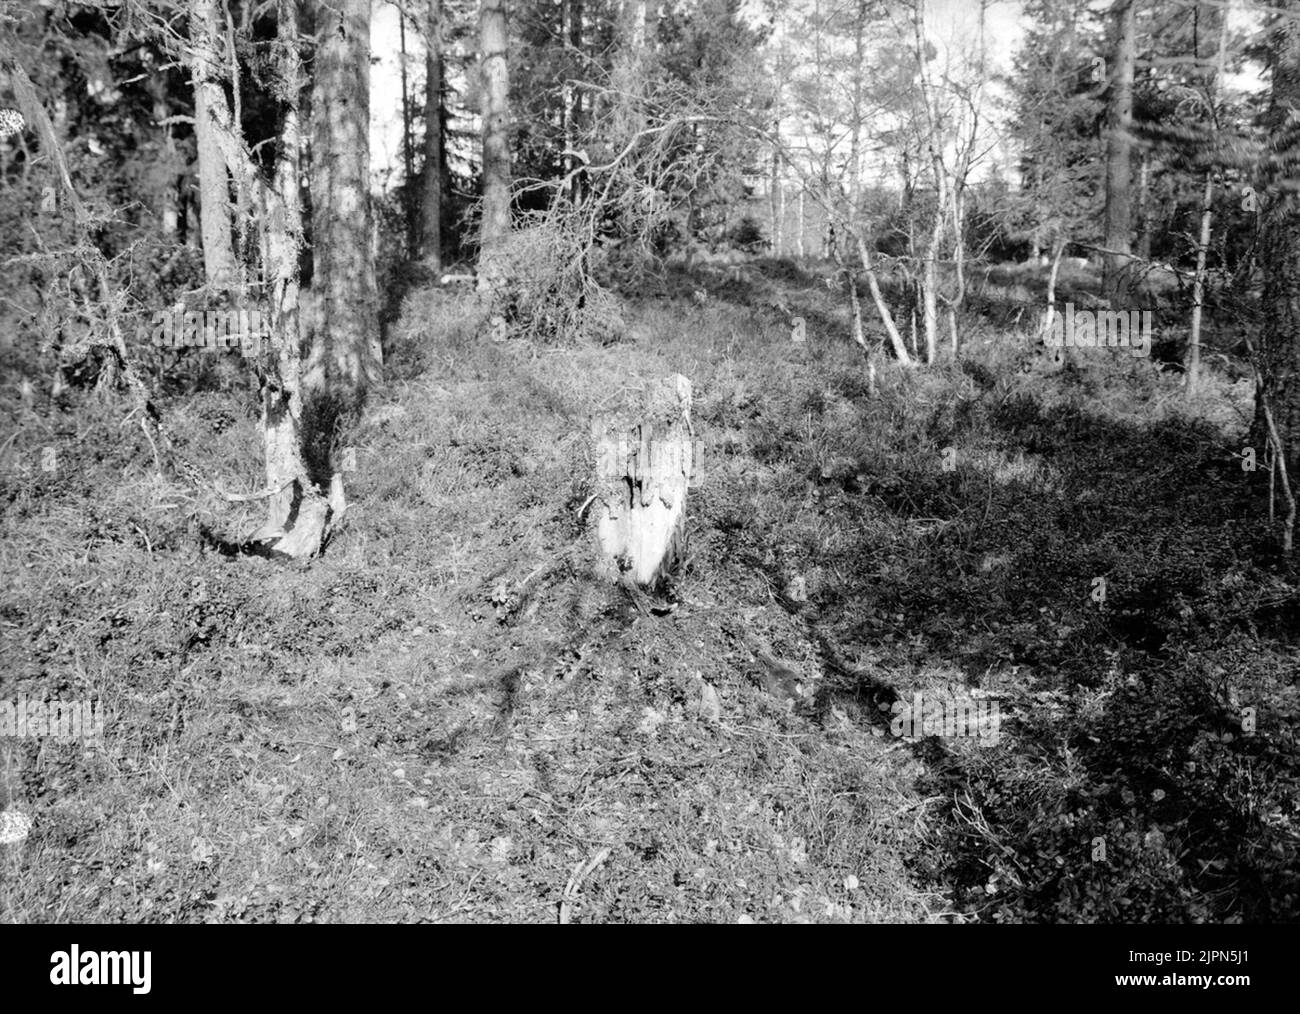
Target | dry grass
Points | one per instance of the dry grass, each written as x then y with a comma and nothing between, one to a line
388,735
448,718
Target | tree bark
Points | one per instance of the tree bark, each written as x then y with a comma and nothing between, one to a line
408,154
434,183
851,283
1144,207
644,463
773,200
346,359
567,125
169,195
799,249
882,308
1057,354
929,287
575,91
635,16
1193,366
214,180
930,268
494,68
855,176
1116,281
1278,357
1050,316
298,513
1207,209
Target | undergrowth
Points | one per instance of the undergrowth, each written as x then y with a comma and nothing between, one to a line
446,716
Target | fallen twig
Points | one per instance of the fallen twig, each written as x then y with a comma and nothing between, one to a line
580,873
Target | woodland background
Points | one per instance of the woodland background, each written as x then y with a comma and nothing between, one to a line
340,595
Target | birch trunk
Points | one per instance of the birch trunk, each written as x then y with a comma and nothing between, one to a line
1193,365
494,68
882,308
1207,209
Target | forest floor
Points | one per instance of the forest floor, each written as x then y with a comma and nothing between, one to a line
448,717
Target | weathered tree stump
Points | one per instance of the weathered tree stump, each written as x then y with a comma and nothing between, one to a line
643,467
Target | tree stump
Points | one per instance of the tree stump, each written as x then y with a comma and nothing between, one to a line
644,459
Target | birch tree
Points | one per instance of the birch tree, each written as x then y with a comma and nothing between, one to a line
495,83
1211,84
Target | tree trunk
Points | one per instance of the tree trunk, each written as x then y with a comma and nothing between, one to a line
1058,353
435,159
575,92
882,308
629,77
298,514
930,287
851,283
1207,209
930,271
958,247
346,359
408,155
1193,366
1050,316
1116,280
635,17
855,177
494,68
780,216
799,249
644,462
1278,358
169,196
567,126
773,201
214,181
1144,207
